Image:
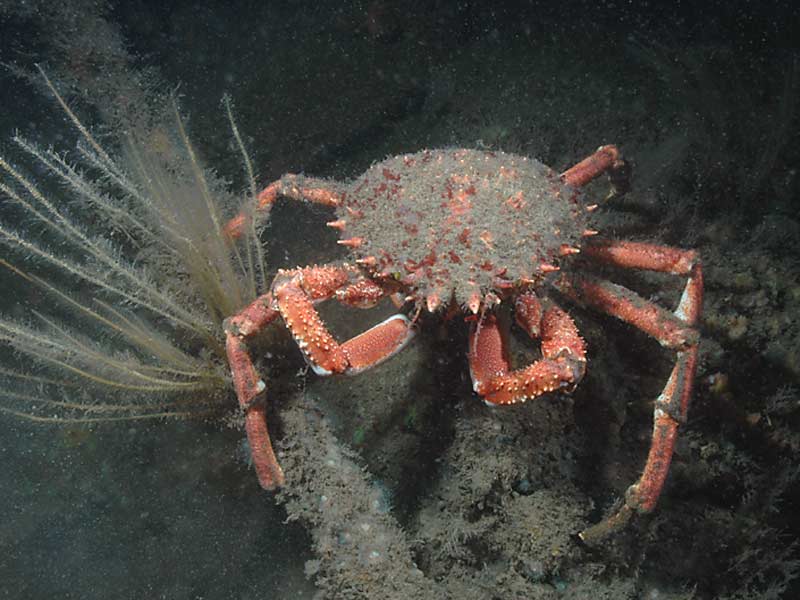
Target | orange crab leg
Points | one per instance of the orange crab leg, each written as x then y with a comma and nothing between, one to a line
250,388
606,159
292,296
563,356
290,186
626,305
641,255
672,330
592,166
378,343
295,293
296,306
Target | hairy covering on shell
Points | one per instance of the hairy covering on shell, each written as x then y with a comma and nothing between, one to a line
454,221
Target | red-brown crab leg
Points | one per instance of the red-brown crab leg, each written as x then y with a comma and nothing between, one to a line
292,296
563,355
606,159
290,186
673,330
250,389
295,293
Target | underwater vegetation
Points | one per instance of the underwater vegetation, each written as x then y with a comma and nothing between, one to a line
133,276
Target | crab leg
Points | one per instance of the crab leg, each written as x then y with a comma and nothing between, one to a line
250,389
618,301
293,295
563,355
606,159
290,186
673,330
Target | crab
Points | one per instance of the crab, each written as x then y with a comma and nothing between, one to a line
471,230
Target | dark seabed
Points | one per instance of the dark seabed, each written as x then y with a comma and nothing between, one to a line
401,482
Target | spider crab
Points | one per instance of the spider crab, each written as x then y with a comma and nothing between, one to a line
472,229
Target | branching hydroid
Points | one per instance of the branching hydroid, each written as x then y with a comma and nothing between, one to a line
136,276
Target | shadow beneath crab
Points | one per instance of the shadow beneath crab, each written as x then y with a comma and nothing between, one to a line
412,487
399,415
